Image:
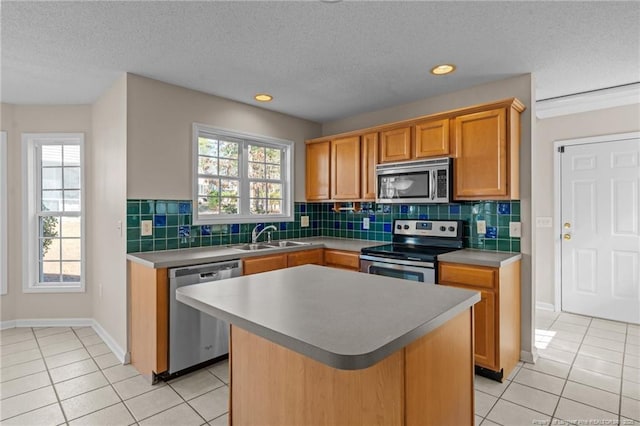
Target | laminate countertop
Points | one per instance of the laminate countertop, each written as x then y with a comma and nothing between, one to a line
494,259
344,319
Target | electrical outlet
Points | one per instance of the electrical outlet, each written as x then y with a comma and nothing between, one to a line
365,223
304,221
481,226
515,229
146,228
544,222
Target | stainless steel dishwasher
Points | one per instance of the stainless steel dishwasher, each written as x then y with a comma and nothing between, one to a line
194,337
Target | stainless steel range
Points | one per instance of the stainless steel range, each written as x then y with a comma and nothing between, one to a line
413,253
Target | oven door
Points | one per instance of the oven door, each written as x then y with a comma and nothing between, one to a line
424,272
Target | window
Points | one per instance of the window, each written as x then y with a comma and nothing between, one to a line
54,204
240,178
3,213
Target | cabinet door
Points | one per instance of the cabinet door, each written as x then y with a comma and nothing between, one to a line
345,168
305,257
484,322
481,147
369,160
317,171
342,259
432,138
255,265
395,145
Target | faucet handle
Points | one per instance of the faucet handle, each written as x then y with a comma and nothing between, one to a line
269,236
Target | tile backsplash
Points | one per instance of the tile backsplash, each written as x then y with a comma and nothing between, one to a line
173,228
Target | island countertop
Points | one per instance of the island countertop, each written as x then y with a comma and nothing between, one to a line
346,320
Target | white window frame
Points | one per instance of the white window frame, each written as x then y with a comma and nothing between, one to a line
4,276
30,283
244,217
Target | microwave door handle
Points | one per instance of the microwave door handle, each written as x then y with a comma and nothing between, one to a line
433,184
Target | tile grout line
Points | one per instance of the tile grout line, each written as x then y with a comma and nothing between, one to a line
624,353
55,391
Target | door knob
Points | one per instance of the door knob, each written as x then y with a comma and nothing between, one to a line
567,236
567,225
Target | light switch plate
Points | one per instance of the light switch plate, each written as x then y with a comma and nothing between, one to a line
544,222
365,223
304,221
146,228
515,229
481,226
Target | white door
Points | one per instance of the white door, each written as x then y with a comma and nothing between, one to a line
600,243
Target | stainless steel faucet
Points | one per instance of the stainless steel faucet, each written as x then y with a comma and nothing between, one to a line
255,234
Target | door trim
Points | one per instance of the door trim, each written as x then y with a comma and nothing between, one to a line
557,228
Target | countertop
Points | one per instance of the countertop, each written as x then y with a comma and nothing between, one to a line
196,256
344,319
494,259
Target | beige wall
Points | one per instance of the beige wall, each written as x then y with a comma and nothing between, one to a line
107,199
521,87
160,116
16,120
607,121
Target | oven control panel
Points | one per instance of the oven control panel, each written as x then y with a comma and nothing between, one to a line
426,228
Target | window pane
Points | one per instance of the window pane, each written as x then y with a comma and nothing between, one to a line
256,153
72,178
273,155
209,205
273,172
228,149
257,205
256,171
230,205
52,178
207,166
51,155
70,227
70,248
71,272
275,207
49,231
228,168
208,147
258,189
72,201
50,248
229,188
275,190
71,155
50,272
52,201
208,187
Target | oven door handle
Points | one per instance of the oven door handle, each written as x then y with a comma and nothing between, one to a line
381,261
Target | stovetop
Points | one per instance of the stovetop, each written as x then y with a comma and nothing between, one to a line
408,251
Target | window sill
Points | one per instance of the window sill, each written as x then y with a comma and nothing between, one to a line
55,289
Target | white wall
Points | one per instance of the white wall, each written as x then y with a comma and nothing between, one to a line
106,209
17,119
594,123
159,135
521,87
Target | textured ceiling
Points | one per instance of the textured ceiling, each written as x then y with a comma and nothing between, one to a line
321,61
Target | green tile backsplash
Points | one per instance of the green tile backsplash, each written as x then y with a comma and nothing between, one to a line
172,227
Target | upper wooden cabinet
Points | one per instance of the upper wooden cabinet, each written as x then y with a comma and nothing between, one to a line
369,154
345,168
317,171
487,145
395,145
432,138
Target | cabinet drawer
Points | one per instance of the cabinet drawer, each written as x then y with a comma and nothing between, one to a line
477,276
342,259
256,265
305,257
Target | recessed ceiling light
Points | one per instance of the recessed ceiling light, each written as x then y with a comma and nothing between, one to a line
263,97
443,69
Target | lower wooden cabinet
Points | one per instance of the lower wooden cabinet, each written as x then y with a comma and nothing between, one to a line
496,316
306,257
255,265
342,259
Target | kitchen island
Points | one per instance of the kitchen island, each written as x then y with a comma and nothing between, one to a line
315,345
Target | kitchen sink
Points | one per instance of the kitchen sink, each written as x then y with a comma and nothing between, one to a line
287,244
271,245
252,247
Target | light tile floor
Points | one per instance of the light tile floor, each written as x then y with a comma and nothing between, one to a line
588,372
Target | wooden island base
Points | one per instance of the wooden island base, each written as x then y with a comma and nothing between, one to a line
428,382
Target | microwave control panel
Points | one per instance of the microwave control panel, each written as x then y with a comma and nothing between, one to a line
426,228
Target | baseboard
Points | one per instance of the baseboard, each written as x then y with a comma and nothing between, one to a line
530,357
543,306
120,353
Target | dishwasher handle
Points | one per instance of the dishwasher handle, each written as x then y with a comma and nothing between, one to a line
208,271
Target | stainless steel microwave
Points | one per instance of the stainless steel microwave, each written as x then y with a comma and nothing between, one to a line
423,181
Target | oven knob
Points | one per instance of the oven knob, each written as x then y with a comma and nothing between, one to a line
451,228
398,226
443,228
406,227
